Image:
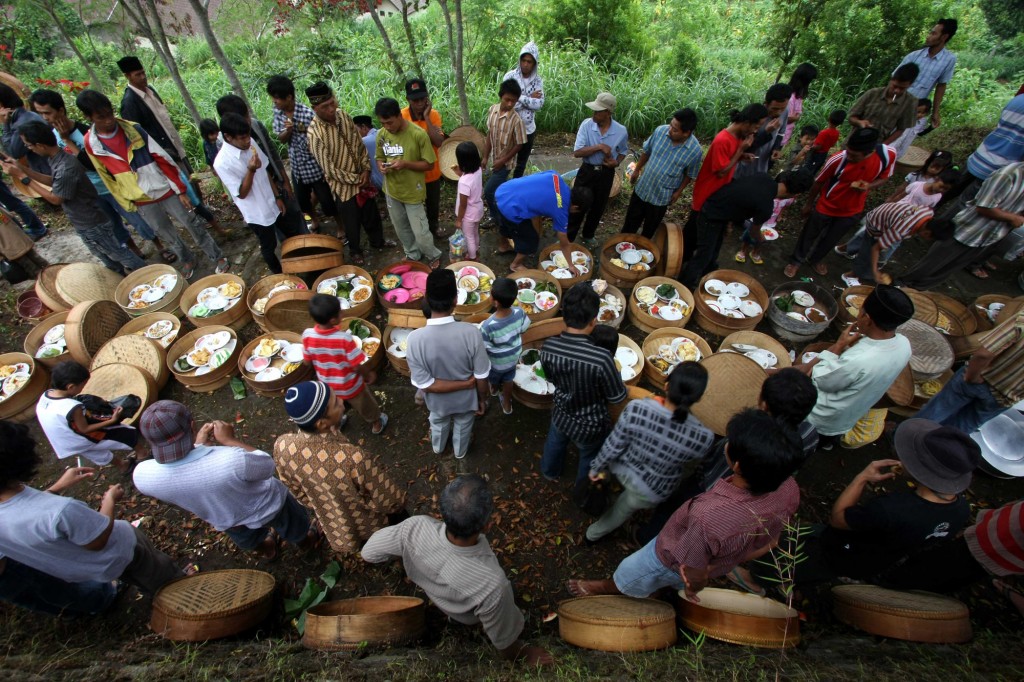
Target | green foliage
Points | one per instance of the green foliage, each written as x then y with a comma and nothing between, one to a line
609,31
36,38
1005,17
311,595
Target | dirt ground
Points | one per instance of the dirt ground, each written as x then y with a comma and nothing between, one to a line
537,532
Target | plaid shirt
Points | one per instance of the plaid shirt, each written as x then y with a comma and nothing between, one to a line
667,164
305,169
505,129
1004,190
937,70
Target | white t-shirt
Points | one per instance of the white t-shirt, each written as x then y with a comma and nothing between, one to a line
916,196
224,486
52,414
259,207
47,532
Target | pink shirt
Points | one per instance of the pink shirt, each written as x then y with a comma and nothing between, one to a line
472,186
916,196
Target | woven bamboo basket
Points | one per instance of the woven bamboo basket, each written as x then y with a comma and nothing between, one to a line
21,406
568,282
761,341
236,317
212,380
212,604
965,346
615,321
79,282
901,392
350,624
137,351
919,400
398,320
470,133
925,309
31,308
632,393
913,616
404,266
139,325
734,384
147,275
845,317
276,388
311,253
720,324
261,289
46,288
1011,309
117,379
953,316
486,302
34,339
669,238
288,311
741,618
534,337
620,277
931,354
617,623
359,309
541,276
656,339
981,316
376,358
475,318
90,325
641,362
647,322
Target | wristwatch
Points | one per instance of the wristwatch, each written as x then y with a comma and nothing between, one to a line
25,180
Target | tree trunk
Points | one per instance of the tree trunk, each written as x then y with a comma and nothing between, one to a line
202,10
387,41
455,54
156,30
51,11
408,36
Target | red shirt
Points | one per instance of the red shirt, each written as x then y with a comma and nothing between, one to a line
838,199
826,139
335,357
719,155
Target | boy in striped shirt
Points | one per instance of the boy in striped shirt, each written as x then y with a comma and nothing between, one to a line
338,361
503,339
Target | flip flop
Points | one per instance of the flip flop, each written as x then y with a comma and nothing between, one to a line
980,273
821,269
756,260
790,271
383,425
741,257
435,264
736,579
506,410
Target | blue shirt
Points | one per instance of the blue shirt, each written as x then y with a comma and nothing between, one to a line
934,70
1004,145
589,134
666,165
541,194
370,141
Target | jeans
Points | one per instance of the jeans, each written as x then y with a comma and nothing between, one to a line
631,500
291,522
496,180
102,243
962,405
410,221
641,574
267,234
110,206
158,214
553,460
524,155
40,592
860,240
459,426
641,212
30,222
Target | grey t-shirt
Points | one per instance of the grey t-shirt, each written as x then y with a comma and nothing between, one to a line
447,350
81,203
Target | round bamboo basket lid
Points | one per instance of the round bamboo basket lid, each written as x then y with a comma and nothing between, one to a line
147,275
139,325
31,307
647,322
46,288
741,618
288,311
412,319
262,288
534,338
404,266
761,341
470,133
930,352
119,378
617,623
720,324
901,392
212,604
215,378
486,302
953,317
632,393
658,338
34,339
352,623
965,346
236,316
277,387
980,310
541,276
358,309
1011,309
567,282
311,253
846,315
447,160
20,406
78,282
137,351
638,366
913,616
91,324
622,277
375,358
912,159
925,309
669,238
734,384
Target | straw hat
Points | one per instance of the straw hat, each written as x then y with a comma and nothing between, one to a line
446,158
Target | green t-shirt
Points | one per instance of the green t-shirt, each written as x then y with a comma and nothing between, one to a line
412,144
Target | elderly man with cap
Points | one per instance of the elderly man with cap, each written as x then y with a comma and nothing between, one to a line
838,196
422,114
338,147
351,495
220,479
602,143
143,105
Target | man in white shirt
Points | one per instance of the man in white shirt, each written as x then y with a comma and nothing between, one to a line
220,479
243,169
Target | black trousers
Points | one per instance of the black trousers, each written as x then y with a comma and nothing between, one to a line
640,212
304,194
432,205
524,155
267,234
351,217
707,242
821,232
369,218
598,179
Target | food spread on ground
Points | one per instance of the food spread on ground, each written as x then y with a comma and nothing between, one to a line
558,265
631,257
800,306
163,332
273,359
399,341
401,284
213,300
530,374
673,351
145,295
732,299
611,305
351,289
209,352
535,297
662,301
53,343
13,378
260,304
761,356
627,362
474,286
362,334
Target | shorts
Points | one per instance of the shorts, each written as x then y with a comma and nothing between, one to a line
499,376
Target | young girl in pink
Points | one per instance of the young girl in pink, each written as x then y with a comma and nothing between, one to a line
469,206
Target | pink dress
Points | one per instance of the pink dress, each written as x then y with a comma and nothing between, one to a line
471,185
796,107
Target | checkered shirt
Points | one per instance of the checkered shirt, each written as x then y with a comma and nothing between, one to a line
304,166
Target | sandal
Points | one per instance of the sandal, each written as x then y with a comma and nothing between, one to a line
736,579
506,410
989,265
756,260
223,265
436,263
383,425
357,259
741,257
167,256
980,273
820,268
790,270
187,270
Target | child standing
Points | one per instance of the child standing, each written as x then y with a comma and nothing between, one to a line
469,206
65,423
805,144
210,133
338,361
903,142
606,337
503,339
826,139
938,161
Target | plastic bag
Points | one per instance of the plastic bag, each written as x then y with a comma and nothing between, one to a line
457,245
12,272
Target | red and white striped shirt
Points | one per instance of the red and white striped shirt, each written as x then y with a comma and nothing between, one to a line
997,539
335,357
892,223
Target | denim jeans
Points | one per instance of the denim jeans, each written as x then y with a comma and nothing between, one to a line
102,243
962,405
496,180
40,592
641,574
553,461
30,222
291,523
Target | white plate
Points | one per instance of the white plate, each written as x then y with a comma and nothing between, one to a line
797,316
729,302
562,273
763,358
622,247
769,234
396,351
714,306
54,334
545,301
153,294
205,369
751,308
356,295
206,294
807,314
580,258
137,293
213,342
715,287
269,374
159,329
256,364
222,291
627,373
670,313
46,346
469,283
520,281
745,347
166,282
460,296
626,356
328,286
738,289
601,313
547,265
216,302
645,256
802,298
631,257
646,294
293,353
735,314
807,357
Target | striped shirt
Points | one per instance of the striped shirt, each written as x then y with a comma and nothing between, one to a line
886,113
466,583
339,150
1002,146
1004,190
505,130
590,134
667,164
889,224
837,198
503,338
305,168
585,382
937,70
652,451
996,539
1005,374
719,529
335,357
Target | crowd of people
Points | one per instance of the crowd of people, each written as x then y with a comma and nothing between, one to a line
718,507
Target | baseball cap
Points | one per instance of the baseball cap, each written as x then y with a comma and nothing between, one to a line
416,89
605,101
167,425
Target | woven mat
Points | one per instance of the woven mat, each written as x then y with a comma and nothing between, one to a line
914,603
134,350
616,610
79,282
213,594
929,349
734,384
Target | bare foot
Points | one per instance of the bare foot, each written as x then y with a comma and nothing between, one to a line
790,270
589,588
821,269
